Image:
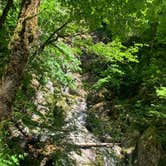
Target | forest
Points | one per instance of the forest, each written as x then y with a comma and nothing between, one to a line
82,82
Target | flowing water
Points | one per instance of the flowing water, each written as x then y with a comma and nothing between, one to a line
82,136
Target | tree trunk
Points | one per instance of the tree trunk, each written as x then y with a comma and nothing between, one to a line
20,46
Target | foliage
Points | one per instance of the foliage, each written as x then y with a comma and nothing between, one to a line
8,156
6,32
56,62
112,54
161,92
121,45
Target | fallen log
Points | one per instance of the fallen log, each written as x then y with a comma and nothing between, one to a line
91,145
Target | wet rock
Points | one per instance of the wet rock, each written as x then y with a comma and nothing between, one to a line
81,135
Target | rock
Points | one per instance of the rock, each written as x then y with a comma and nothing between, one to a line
149,150
129,146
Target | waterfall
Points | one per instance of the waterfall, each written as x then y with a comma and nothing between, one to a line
77,117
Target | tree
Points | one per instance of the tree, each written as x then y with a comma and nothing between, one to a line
20,48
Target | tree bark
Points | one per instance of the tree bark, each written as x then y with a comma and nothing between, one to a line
5,12
20,48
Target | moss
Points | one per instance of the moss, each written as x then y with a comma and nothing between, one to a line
149,149
99,160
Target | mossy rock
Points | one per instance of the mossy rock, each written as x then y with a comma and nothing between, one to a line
149,150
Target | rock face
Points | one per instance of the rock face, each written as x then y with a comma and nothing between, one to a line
129,146
80,135
76,117
149,150
74,104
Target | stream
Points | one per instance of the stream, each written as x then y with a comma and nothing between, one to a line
76,117
91,151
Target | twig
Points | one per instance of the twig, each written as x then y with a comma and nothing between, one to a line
20,128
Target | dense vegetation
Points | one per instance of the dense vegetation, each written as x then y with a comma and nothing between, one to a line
119,49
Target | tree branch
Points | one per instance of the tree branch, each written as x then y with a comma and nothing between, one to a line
91,145
20,128
49,40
